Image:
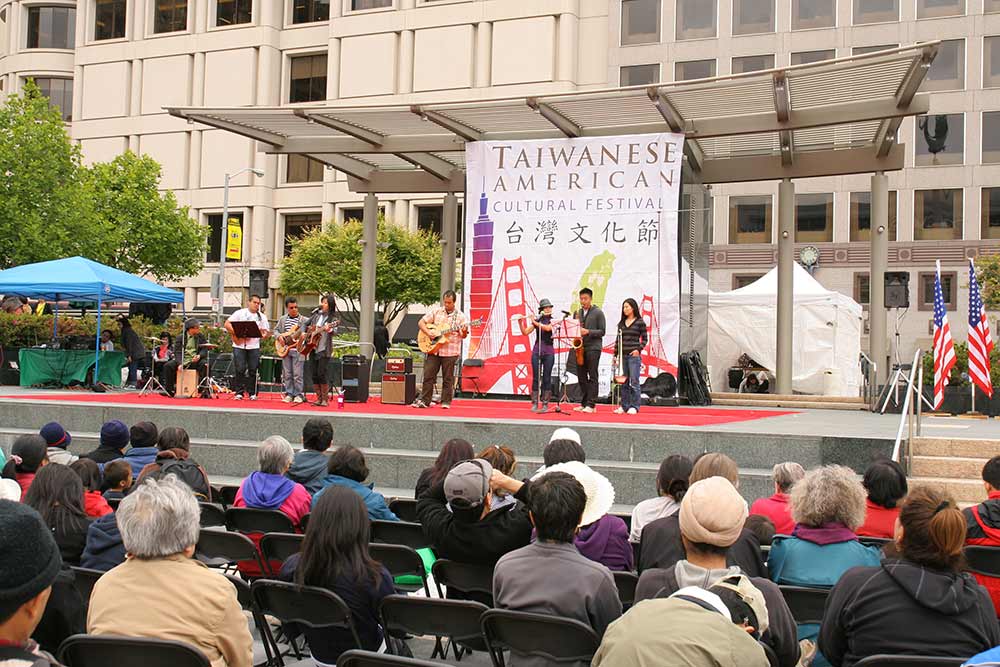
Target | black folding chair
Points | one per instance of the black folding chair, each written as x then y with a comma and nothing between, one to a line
212,515
908,661
250,520
983,560
280,546
221,548
469,580
806,604
370,659
113,503
626,583
245,598
84,579
309,606
401,561
538,635
456,620
104,650
404,508
399,532
874,541
772,657
305,521
227,494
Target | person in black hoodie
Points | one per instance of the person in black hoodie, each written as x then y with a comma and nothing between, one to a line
309,465
918,601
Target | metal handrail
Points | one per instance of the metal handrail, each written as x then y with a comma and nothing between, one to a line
906,417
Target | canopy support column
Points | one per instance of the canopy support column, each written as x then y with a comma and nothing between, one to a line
97,345
786,302
879,237
449,240
369,251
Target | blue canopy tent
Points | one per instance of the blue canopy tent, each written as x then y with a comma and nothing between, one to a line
85,280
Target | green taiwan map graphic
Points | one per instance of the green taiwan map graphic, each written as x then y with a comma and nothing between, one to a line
596,277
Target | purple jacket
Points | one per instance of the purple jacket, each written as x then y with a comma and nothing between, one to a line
606,541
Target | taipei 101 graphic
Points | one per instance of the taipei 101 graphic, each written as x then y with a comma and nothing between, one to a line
480,289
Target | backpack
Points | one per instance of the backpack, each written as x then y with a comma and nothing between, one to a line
186,471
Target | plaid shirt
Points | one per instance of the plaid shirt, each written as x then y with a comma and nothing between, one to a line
442,320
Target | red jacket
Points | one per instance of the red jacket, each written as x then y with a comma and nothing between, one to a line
24,479
879,521
777,509
95,505
983,529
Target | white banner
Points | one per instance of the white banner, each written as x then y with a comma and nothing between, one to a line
557,215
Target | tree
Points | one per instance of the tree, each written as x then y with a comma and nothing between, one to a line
149,233
988,275
408,266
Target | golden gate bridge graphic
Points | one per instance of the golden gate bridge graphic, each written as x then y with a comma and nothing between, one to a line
500,344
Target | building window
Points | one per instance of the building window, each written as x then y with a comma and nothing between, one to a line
753,16
937,214
991,137
947,72
640,22
744,279
214,222
949,290
232,12
862,288
991,62
744,64
639,75
109,19
171,16
303,169
814,218
750,219
875,11
694,69
310,11
807,14
358,5
806,57
861,216
940,140
861,50
429,220
59,92
991,6
308,79
695,19
358,213
298,225
991,213
51,28
929,9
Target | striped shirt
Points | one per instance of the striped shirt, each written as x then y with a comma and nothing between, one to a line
632,337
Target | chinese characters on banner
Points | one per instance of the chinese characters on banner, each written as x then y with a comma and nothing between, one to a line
557,215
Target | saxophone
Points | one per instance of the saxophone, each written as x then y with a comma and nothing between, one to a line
578,344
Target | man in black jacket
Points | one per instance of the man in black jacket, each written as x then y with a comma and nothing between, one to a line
135,351
592,327
189,347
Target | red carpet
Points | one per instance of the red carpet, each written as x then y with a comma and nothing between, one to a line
460,409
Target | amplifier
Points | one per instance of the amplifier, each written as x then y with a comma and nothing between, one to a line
399,365
399,388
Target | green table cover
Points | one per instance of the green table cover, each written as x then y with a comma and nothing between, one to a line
46,366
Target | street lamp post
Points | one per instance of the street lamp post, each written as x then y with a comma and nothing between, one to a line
225,237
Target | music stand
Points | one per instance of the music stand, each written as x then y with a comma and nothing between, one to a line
558,328
246,329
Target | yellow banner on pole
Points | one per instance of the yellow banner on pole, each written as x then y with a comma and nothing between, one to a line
234,239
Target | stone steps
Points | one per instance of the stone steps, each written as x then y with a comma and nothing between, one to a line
953,463
788,401
956,447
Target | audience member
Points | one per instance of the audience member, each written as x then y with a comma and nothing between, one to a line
114,440
174,458
57,495
335,556
10,490
564,445
269,489
309,465
57,440
671,485
454,451
27,456
503,459
104,548
29,564
982,524
94,503
712,515
885,483
550,576
348,468
160,591
990,658
661,544
762,528
143,436
916,602
776,506
117,479
694,627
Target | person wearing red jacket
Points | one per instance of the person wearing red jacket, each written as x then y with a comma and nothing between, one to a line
776,507
885,483
89,473
982,524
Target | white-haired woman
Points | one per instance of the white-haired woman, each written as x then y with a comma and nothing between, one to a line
268,488
776,507
160,591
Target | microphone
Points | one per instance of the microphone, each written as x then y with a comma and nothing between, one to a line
566,313
316,310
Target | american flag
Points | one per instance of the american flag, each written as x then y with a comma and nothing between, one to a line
980,342
944,347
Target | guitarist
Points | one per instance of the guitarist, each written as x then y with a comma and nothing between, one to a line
287,329
321,320
446,357
592,327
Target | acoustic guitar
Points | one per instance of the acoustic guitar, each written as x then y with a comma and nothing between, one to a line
430,344
310,339
286,341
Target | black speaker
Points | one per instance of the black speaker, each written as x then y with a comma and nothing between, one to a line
355,378
897,289
258,282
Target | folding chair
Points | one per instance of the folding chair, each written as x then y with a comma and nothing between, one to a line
104,650
310,606
456,620
626,583
220,548
538,635
84,580
401,561
806,604
248,520
280,546
474,581
304,523
404,508
874,541
212,515
245,598
227,494
113,503
627,518
983,560
399,532
370,659
908,661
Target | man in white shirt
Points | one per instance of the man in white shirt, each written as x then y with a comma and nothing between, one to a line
246,351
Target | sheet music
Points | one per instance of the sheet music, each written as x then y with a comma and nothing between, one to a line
571,328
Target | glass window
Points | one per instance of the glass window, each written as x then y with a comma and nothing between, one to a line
109,19
814,217
303,169
232,12
171,16
695,19
928,9
639,75
937,214
214,222
947,72
308,11
949,290
750,219
51,28
694,69
991,62
308,82
991,213
357,5
298,225
640,22
875,11
991,137
806,57
861,216
862,288
429,219
745,64
744,279
991,6
359,213
808,14
59,92
753,16
940,140
861,50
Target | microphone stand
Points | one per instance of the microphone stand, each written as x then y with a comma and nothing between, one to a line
560,368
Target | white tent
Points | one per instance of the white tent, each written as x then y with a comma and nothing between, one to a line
827,338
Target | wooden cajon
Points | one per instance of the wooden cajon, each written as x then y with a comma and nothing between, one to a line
187,382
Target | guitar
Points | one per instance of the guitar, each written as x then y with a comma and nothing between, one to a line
310,339
430,344
285,342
